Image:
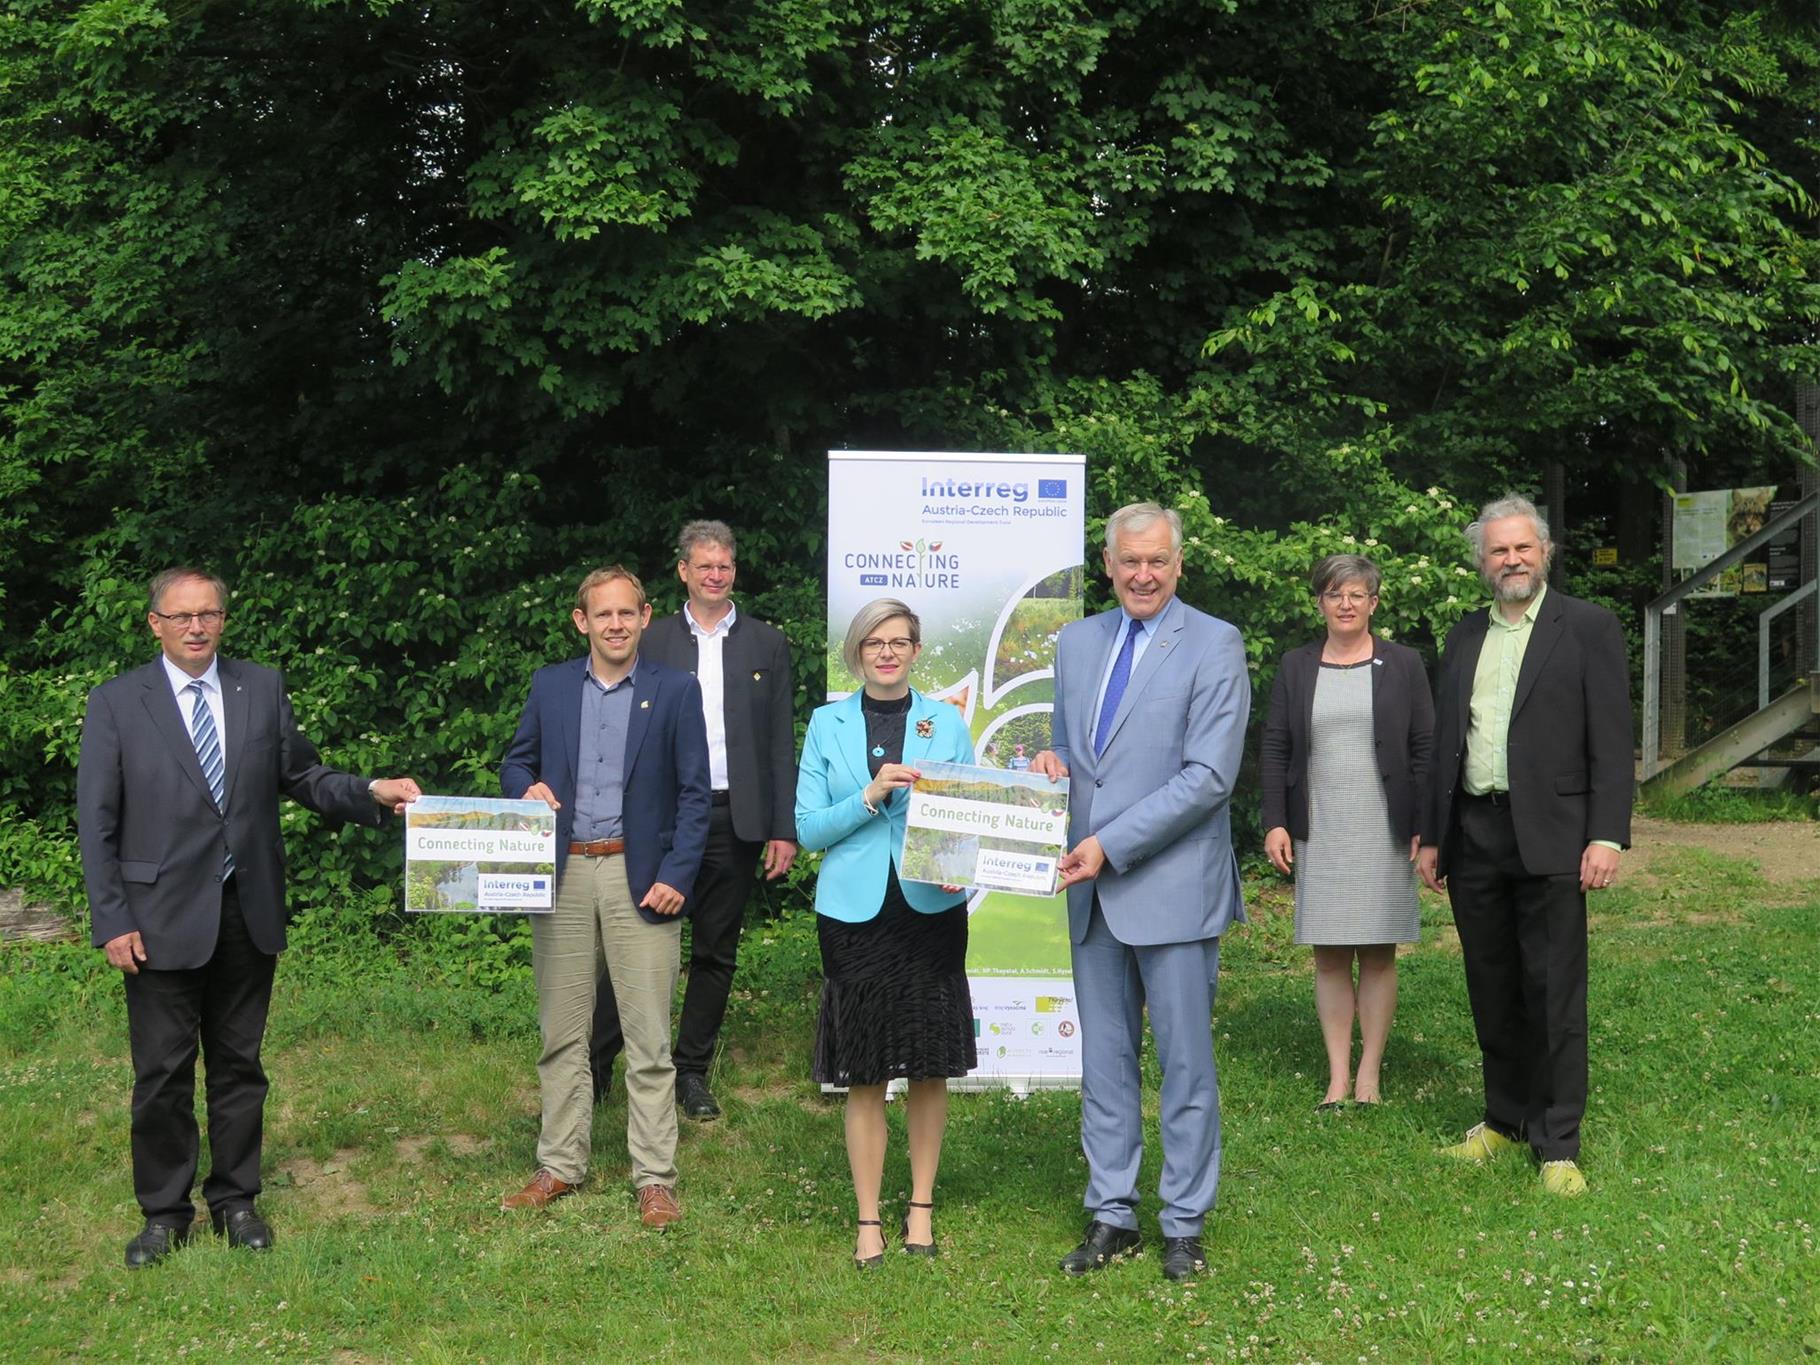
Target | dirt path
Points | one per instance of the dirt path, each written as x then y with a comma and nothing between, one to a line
1784,851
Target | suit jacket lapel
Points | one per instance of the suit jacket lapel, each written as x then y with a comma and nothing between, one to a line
1544,635
235,707
735,663
1476,627
1165,631
568,722
1305,680
645,692
167,720
852,740
1083,715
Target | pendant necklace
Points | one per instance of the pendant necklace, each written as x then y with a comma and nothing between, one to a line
878,751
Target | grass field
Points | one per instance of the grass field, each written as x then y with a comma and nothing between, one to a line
402,1107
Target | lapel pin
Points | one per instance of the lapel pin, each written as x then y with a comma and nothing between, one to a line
644,705
925,727
758,677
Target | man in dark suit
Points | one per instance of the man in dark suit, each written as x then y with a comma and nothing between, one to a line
614,742
743,667
183,762
1528,808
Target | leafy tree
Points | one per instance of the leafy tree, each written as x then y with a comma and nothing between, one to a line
402,317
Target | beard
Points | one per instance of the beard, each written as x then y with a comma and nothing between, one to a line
1514,585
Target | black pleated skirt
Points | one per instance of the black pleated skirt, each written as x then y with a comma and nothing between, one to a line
894,996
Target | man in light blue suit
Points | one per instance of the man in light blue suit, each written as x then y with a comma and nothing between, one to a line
1151,702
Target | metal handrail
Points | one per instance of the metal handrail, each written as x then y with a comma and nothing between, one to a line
1800,594
1672,599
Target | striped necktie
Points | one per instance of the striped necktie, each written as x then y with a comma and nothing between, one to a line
208,753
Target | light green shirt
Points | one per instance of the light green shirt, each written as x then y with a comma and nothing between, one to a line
1494,692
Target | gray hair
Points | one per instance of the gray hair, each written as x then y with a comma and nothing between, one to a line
868,619
1510,505
1135,516
169,579
1335,570
696,533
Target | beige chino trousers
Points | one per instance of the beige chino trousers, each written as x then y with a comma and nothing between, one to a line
594,919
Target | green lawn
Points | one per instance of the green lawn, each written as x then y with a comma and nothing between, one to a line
401,1111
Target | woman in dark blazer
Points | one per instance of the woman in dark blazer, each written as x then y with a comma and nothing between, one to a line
1343,758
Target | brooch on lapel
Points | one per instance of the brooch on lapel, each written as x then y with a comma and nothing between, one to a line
925,727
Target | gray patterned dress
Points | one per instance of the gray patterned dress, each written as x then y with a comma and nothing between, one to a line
1354,883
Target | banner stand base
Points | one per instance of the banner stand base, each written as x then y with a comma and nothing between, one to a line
1018,1087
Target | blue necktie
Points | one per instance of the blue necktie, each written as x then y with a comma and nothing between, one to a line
208,753
1115,687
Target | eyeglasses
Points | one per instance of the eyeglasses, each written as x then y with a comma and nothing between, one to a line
1351,599
873,645
210,619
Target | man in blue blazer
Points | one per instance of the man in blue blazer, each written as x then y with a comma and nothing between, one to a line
1151,702
616,745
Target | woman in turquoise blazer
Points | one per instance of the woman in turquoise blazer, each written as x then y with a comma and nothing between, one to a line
894,953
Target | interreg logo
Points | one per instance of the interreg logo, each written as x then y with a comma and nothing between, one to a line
990,499
913,564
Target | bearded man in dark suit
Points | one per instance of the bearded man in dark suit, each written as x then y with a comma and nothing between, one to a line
1528,809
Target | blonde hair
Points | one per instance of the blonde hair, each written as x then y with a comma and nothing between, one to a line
613,573
868,619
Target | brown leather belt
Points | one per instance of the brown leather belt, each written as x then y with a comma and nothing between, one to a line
598,848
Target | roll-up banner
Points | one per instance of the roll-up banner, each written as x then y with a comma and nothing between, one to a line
988,550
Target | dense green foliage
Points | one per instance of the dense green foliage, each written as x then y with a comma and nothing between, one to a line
402,316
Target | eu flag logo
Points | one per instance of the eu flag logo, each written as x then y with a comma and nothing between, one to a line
1052,488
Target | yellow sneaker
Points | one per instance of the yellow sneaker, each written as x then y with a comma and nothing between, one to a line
1482,1142
1563,1178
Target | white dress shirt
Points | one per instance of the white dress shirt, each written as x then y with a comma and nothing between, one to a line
712,677
186,700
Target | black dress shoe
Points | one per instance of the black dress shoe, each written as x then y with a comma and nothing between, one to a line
693,1095
244,1229
1182,1258
1102,1244
154,1242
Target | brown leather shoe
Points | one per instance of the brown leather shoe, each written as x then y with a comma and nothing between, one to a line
544,1190
657,1206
